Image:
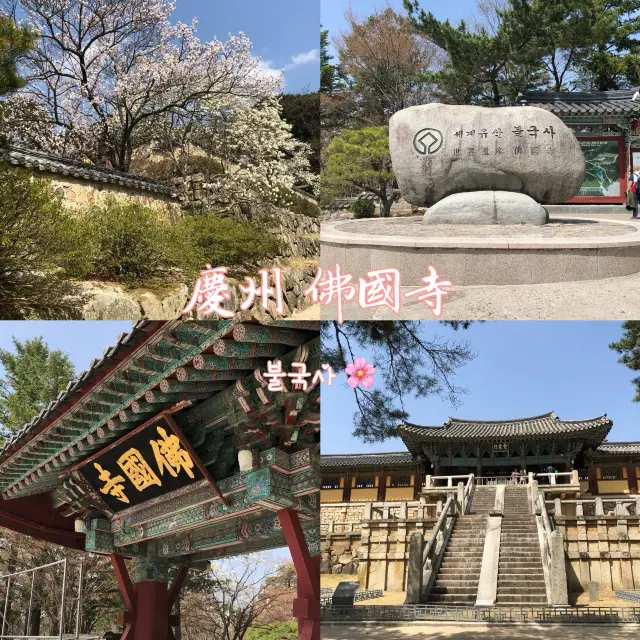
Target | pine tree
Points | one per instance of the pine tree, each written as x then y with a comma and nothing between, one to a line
629,349
33,376
14,43
483,67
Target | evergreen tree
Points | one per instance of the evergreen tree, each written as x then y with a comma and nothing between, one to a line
360,159
612,59
33,376
14,43
331,76
629,349
483,67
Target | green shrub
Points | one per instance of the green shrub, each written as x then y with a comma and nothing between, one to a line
363,209
36,241
273,631
223,241
128,241
203,164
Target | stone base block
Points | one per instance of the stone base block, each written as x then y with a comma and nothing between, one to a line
487,207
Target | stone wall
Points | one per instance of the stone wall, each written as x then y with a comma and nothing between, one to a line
79,193
372,539
602,549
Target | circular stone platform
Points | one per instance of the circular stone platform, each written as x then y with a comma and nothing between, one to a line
562,250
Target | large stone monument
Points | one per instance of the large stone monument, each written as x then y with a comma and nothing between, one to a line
478,165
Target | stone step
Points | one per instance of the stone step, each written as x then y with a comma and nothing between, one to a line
459,571
510,581
518,591
519,601
452,597
534,546
509,566
460,581
457,590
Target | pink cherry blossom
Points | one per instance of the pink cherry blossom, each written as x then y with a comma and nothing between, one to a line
360,372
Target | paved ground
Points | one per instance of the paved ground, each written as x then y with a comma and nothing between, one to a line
607,299
556,229
477,631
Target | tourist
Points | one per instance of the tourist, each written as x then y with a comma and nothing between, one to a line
523,476
514,476
632,187
550,471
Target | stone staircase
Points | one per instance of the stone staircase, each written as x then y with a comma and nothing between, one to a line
520,574
483,501
457,580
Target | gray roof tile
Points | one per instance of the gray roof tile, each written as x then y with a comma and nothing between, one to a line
65,166
570,103
547,423
619,447
362,459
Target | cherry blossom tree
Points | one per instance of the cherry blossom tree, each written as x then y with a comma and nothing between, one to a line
258,158
106,70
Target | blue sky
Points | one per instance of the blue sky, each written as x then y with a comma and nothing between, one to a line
521,369
332,12
284,33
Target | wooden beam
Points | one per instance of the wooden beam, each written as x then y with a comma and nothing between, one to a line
176,586
194,456
124,581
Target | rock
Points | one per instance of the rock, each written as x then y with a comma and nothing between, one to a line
438,149
487,207
345,558
109,302
350,568
165,306
337,569
325,566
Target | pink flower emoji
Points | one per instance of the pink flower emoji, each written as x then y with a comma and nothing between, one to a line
360,372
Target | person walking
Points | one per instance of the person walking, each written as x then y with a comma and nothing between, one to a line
633,187
523,476
514,476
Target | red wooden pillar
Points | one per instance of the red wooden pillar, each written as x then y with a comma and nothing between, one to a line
152,612
632,479
382,487
149,604
306,607
593,480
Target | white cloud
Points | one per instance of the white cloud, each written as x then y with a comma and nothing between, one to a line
266,68
308,56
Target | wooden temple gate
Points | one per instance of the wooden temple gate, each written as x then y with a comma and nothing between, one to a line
173,450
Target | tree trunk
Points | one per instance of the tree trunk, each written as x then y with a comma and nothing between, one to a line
177,631
34,627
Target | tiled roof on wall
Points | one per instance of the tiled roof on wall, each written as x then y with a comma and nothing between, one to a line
361,459
569,103
82,170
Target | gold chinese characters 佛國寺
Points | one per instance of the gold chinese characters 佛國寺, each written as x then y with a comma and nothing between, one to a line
168,455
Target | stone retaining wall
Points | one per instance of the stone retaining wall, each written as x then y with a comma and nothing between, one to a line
79,193
603,549
371,540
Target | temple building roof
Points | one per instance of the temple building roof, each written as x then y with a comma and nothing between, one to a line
196,391
547,424
338,461
569,103
619,448
83,170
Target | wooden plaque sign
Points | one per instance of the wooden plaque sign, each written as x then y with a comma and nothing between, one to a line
148,462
